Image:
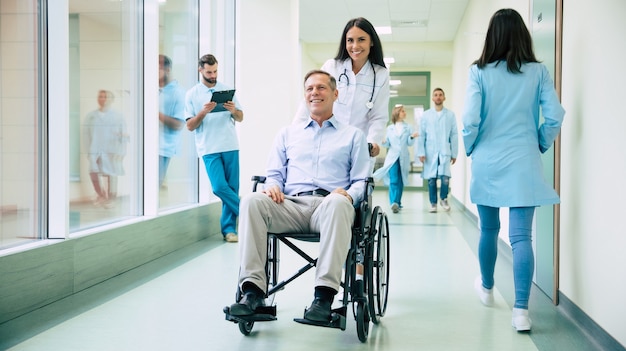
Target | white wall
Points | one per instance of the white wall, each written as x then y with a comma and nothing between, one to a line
593,262
18,96
268,78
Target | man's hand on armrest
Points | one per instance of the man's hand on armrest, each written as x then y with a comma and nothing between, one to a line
275,193
343,192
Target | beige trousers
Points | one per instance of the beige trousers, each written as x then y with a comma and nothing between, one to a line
331,216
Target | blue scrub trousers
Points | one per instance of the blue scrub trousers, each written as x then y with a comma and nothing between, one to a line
223,171
520,231
395,183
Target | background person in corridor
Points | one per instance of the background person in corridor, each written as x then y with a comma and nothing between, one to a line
437,148
216,141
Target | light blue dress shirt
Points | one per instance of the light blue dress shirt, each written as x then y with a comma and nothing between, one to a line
505,137
306,157
217,132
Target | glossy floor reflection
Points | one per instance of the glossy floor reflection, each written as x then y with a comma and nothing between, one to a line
176,302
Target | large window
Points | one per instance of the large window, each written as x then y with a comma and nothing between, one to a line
105,54
20,122
79,144
178,56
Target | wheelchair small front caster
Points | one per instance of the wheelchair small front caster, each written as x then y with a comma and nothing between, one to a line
245,327
362,321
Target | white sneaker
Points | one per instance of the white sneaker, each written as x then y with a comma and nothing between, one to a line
231,238
485,295
395,207
520,320
433,208
444,204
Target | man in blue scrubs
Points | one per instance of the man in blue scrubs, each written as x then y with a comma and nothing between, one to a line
216,140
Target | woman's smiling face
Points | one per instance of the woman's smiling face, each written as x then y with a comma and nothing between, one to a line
358,44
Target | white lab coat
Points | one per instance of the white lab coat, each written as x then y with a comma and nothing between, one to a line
438,141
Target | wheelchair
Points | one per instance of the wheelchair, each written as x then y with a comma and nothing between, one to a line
368,255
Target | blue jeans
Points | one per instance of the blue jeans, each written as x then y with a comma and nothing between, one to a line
223,171
520,230
432,189
395,183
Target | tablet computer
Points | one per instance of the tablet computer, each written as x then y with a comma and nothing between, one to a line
222,96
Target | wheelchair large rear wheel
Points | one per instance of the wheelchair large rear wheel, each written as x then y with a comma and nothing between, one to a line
378,267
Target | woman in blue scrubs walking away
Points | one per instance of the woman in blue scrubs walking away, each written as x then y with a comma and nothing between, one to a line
395,170
502,133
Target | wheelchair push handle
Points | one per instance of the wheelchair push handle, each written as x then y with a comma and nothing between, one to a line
256,180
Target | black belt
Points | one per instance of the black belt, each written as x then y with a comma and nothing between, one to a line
316,192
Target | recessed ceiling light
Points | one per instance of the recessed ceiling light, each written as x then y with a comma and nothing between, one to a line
410,23
395,82
389,60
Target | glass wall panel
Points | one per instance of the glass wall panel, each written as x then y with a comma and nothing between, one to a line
20,117
105,111
178,47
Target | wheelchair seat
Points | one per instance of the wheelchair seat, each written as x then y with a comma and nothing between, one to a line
368,254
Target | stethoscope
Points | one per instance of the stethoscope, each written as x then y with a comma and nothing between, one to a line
368,104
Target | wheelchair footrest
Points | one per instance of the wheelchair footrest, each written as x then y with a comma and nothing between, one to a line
337,319
261,314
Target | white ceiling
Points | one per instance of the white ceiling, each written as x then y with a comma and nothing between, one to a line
422,30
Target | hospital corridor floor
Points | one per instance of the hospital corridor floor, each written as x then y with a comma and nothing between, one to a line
177,301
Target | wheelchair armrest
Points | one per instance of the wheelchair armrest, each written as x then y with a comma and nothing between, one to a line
256,180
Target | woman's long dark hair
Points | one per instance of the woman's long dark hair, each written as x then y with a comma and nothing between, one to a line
507,39
376,51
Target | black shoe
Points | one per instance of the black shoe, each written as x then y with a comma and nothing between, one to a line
247,305
319,311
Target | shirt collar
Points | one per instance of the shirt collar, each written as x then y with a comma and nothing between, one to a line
332,121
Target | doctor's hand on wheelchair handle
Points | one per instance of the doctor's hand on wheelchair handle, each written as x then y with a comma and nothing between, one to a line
374,149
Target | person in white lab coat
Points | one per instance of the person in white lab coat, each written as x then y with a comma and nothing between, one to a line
437,148
362,81
395,170
503,134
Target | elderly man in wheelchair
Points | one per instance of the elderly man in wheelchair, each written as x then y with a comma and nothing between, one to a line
317,175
